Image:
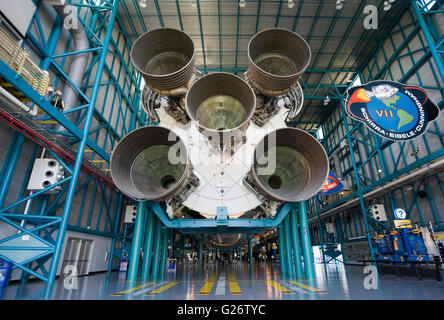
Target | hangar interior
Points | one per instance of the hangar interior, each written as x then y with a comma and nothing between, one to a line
71,91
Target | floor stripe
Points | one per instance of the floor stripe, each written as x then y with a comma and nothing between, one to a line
121,293
295,288
279,287
220,287
206,289
234,286
308,287
155,286
163,288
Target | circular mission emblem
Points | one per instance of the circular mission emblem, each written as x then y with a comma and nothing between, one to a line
390,109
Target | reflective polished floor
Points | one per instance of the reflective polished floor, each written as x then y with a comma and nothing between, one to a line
237,281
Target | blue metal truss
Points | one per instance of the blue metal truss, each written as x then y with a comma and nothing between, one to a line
51,213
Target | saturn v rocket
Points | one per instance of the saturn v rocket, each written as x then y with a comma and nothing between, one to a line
221,140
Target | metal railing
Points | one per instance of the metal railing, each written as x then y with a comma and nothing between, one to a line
19,61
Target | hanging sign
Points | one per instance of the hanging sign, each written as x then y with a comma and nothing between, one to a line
331,185
390,109
403,224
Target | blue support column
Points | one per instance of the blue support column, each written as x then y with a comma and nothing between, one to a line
148,245
136,243
199,250
288,247
321,232
156,250
164,250
115,231
282,250
299,271
305,240
250,251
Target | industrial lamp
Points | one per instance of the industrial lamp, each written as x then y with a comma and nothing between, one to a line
142,3
339,4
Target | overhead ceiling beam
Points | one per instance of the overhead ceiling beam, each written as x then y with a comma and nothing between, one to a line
220,33
159,14
316,18
201,33
237,38
298,14
139,16
326,39
130,21
179,15
278,15
259,5
350,27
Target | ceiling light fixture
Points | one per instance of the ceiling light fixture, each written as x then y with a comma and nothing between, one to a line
242,3
290,3
193,3
387,6
339,4
326,100
142,3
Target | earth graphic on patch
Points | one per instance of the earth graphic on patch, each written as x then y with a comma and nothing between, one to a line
391,109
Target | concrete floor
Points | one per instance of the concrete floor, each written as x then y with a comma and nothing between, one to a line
237,281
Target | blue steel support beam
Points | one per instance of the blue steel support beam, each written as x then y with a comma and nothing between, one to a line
179,15
298,14
156,250
148,246
258,15
8,155
321,231
288,248
10,168
164,250
250,250
305,240
220,33
118,213
159,14
278,15
78,162
241,224
296,244
201,34
136,242
199,250
237,38
282,250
